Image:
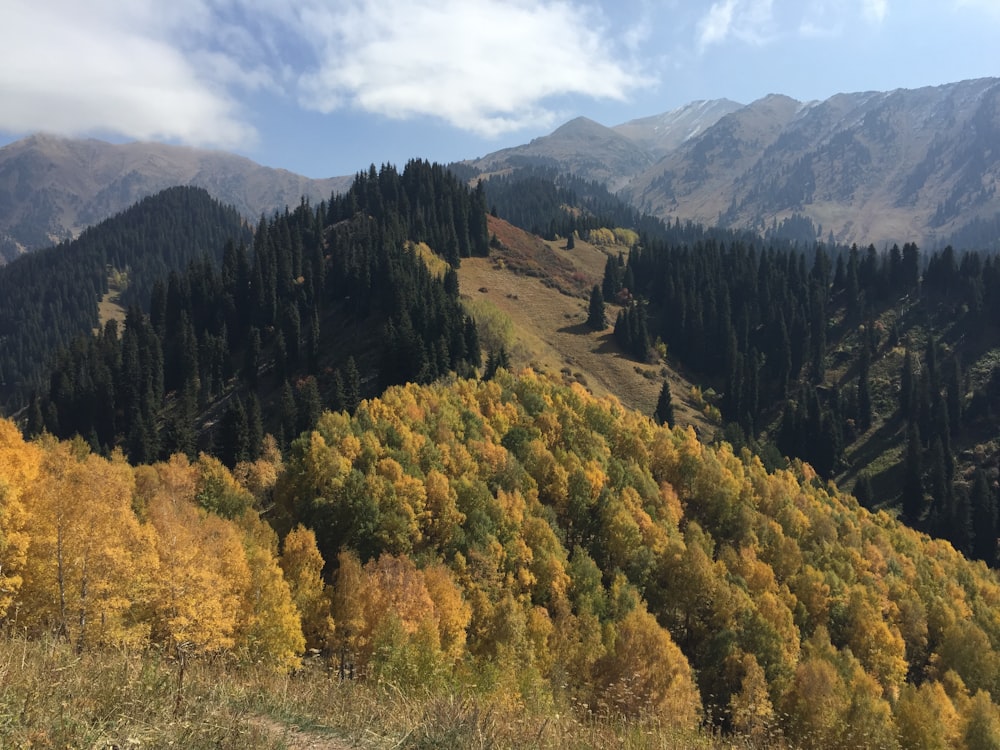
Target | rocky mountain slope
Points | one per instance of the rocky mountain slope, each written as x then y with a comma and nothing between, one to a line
52,188
917,165
907,165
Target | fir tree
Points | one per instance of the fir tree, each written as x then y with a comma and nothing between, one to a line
664,413
907,387
913,478
595,311
864,395
983,502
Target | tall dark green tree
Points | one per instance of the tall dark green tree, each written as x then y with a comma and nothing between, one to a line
913,478
864,394
664,413
595,310
907,387
983,502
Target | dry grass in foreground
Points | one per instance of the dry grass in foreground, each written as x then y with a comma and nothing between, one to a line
53,697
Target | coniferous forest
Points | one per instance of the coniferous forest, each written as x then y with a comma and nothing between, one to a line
289,321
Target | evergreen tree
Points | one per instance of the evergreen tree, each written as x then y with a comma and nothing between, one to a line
983,502
864,395
913,478
352,385
954,391
287,415
595,311
308,406
494,362
232,441
939,486
907,387
664,413
255,427
863,490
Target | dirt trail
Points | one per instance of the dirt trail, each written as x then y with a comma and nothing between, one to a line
296,738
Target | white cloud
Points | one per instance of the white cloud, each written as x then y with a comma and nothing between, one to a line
875,11
485,66
715,25
749,21
77,68
175,70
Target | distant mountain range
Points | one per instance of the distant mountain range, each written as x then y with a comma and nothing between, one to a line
917,165
907,165
52,188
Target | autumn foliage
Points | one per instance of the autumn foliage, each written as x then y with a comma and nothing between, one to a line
547,547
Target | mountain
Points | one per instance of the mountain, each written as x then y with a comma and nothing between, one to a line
661,134
906,165
916,165
52,188
581,146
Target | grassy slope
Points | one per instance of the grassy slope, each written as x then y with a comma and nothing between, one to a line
544,289
53,697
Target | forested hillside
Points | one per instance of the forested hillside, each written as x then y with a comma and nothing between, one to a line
331,303
870,365
516,538
50,297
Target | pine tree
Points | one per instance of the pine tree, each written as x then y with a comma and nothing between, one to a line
864,395
308,406
913,478
595,311
232,441
954,390
983,504
664,413
288,415
907,388
863,490
352,385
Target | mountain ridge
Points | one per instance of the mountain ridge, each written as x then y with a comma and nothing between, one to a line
906,165
51,188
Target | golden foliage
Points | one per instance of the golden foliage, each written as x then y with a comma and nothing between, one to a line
303,568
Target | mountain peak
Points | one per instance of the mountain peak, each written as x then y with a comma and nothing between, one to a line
579,125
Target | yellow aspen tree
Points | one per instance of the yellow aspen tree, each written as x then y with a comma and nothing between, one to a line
982,723
926,718
302,564
349,594
202,579
259,477
270,627
750,709
443,516
451,611
90,561
645,673
19,466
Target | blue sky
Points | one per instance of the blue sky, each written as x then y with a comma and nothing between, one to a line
326,87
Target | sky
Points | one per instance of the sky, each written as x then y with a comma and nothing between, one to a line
328,87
